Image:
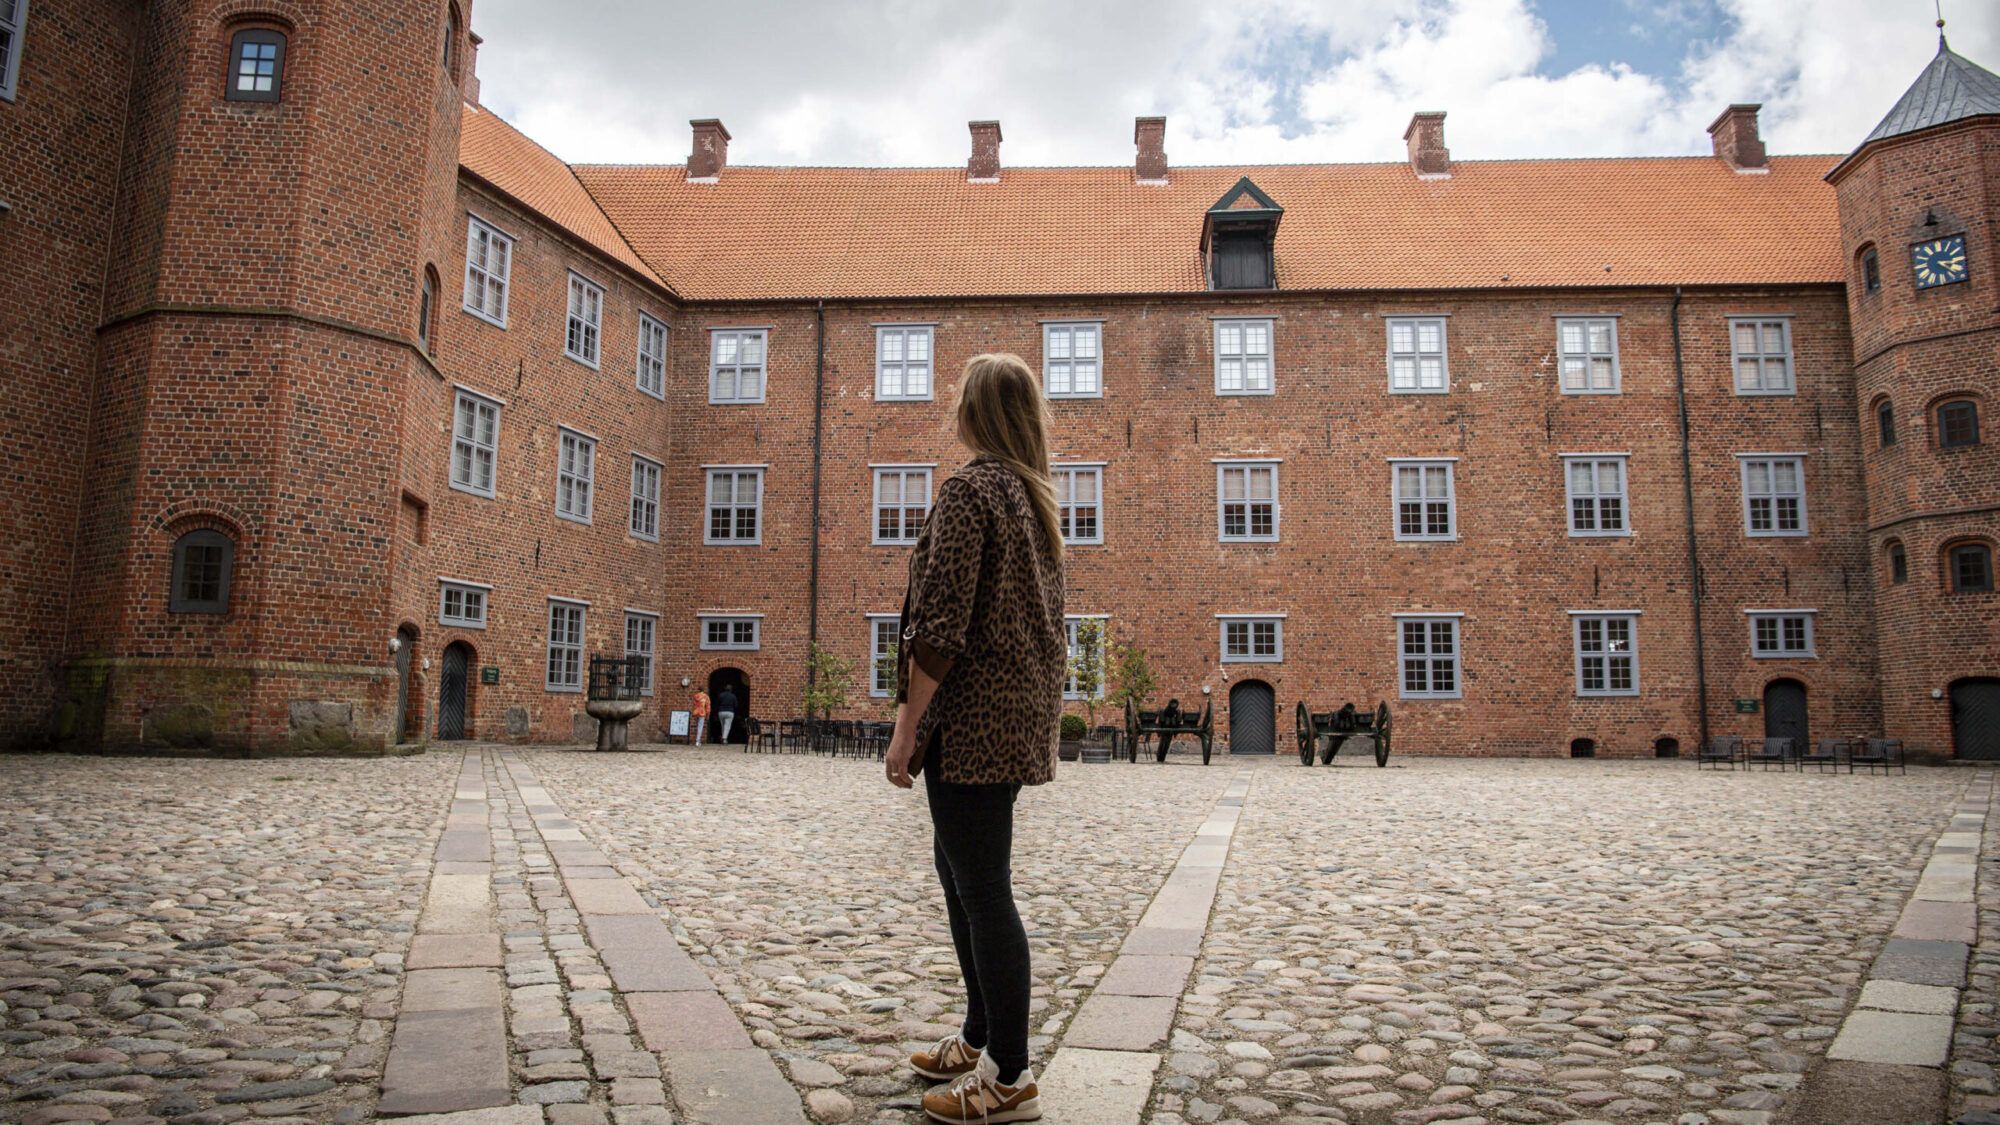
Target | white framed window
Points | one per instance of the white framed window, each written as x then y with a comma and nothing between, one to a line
565,671
488,255
736,365
640,631
13,17
1782,633
586,320
645,498
576,472
475,443
902,500
1427,653
1426,500
1246,501
1587,350
1080,502
1070,622
1073,360
740,633
1762,350
1416,356
735,506
1596,484
1774,495
1243,356
652,365
881,646
1607,658
1251,639
903,362
462,604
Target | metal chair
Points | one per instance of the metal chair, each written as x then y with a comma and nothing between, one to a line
763,736
1878,753
1775,748
792,736
1727,749
1828,752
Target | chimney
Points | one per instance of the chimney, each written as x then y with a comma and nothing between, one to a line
1150,134
470,88
711,151
984,167
1735,137
1429,159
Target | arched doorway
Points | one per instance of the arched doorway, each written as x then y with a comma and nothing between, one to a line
1253,718
736,681
406,647
1785,712
1975,719
454,702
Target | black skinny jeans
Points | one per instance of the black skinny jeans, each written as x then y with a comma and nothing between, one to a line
973,830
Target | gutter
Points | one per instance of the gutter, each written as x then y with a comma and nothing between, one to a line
819,413
1687,499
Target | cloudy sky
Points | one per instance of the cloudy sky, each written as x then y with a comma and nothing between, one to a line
893,82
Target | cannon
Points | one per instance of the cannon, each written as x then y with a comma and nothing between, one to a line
1336,727
1167,723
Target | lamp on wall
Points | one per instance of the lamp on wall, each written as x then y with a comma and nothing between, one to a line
1937,693
395,644
685,681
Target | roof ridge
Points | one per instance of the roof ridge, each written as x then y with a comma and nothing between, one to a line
1692,157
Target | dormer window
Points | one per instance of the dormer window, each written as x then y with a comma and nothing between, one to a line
1238,236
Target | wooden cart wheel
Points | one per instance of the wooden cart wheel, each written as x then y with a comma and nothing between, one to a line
1305,731
1333,742
1207,745
1382,734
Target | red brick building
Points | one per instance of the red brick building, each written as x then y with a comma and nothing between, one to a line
344,417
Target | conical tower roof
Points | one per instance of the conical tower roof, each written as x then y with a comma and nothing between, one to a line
1951,88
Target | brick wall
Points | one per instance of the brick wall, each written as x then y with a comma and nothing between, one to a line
1917,348
61,134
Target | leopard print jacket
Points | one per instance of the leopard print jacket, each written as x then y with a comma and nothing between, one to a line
985,595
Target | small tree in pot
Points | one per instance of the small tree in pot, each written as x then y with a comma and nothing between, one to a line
1086,669
828,679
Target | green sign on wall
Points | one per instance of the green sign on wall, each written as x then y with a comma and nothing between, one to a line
489,675
1746,707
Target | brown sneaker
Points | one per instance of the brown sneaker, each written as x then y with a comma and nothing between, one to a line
946,1060
978,1098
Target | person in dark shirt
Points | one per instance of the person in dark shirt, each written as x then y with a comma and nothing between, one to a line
725,709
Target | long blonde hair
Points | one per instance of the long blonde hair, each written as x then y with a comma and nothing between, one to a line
1002,414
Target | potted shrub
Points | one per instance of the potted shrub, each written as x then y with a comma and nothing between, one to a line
1073,730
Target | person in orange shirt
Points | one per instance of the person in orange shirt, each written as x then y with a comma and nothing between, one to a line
700,716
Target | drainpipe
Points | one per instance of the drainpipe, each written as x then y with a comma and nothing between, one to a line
1687,498
819,412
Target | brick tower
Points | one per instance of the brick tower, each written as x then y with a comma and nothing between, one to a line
1917,216
285,176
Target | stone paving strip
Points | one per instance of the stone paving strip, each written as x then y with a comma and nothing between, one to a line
1541,941
1901,1032
718,1076
207,942
804,887
1102,1074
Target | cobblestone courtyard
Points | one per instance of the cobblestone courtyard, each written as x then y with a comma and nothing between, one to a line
677,935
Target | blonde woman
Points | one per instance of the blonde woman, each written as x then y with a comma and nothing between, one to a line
979,691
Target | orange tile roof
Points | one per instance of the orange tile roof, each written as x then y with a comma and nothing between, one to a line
925,232
504,157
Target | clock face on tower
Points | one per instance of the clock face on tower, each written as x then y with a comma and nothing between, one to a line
1939,262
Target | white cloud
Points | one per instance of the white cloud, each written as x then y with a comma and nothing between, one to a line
894,81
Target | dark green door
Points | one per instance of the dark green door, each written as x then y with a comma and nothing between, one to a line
1975,719
1785,712
1253,718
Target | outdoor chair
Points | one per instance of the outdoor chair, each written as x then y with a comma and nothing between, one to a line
1878,753
763,736
792,736
1774,748
875,739
1726,750
844,740
1828,752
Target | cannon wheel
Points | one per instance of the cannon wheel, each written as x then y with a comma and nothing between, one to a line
1333,742
1382,734
1132,736
1305,729
1207,732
